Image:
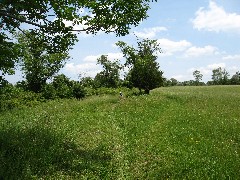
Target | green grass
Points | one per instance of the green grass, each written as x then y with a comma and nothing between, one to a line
174,133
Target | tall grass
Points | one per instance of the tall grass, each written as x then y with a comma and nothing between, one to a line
174,133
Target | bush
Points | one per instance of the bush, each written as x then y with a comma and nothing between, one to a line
78,91
14,97
49,92
67,89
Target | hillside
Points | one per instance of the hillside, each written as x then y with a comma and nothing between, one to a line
173,133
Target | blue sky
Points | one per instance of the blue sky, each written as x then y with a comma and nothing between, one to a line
194,35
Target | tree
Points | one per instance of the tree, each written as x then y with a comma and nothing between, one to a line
235,80
144,71
110,76
174,82
220,76
86,81
198,77
63,87
37,62
7,51
51,18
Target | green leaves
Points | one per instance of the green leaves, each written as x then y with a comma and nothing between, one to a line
47,18
110,76
144,70
38,63
220,76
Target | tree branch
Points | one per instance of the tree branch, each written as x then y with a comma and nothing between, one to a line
4,13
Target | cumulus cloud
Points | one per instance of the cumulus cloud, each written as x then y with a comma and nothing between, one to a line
170,47
216,65
149,32
91,58
207,70
201,51
215,18
89,66
111,56
232,57
180,78
89,69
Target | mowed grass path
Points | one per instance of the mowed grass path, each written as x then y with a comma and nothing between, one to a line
174,133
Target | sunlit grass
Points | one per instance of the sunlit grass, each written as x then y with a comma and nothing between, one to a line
174,133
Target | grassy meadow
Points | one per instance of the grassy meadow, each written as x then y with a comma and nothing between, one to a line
173,133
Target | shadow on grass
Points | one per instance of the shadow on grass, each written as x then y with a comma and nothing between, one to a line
39,153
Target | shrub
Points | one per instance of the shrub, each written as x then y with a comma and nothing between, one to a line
78,91
14,97
49,92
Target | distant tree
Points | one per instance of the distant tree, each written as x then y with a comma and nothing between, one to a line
87,81
110,75
174,82
144,70
198,77
220,76
235,80
189,83
209,83
166,82
50,18
37,63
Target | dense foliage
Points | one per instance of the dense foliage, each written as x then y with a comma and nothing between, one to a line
144,72
49,19
110,76
38,64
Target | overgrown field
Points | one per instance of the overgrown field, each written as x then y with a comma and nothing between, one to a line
174,133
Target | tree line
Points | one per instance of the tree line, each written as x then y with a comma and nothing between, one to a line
220,76
42,49
40,66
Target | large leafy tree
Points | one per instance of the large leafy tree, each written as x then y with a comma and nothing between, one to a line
220,76
144,70
110,75
50,17
235,78
7,56
37,62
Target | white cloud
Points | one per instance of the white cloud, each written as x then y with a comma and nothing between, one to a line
207,70
111,56
232,57
149,32
170,47
216,65
216,19
201,51
184,48
89,69
233,69
180,78
91,58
